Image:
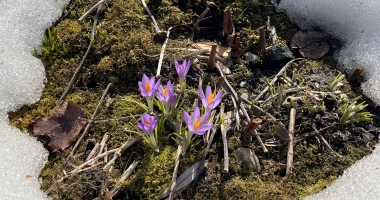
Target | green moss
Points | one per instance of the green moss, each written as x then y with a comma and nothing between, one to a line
155,175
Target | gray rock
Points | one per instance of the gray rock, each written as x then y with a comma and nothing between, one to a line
278,54
251,59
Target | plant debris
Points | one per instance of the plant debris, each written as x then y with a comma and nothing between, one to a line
311,44
62,127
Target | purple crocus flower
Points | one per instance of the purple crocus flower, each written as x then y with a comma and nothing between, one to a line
167,96
182,70
196,123
209,100
147,125
148,87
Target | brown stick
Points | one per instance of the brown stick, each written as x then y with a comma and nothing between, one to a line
121,149
258,108
93,152
324,140
228,88
191,37
211,59
246,136
228,27
103,143
289,161
163,51
151,16
88,125
79,68
175,172
104,121
275,78
224,138
116,190
262,42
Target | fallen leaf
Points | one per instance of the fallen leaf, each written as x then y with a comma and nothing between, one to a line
283,134
184,180
62,127
28,176
311,44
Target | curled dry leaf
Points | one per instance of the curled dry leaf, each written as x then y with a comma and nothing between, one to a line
62,127
311,44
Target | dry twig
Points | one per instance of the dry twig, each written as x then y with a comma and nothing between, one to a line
88,125
79,68
201,17
121,149
275,78
289,161
175,172
116,190
223,129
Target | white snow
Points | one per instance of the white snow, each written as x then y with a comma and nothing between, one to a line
356,23
22,24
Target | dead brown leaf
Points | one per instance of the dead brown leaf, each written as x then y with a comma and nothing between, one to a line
62,127
311,44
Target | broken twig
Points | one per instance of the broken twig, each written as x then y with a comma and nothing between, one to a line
289,161
88,125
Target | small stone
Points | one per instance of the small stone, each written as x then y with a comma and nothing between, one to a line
279,54
251,59
244,95
249,158
243,84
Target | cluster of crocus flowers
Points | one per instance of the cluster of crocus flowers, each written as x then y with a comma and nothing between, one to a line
196,124
148,125
167,96
148,88
182,70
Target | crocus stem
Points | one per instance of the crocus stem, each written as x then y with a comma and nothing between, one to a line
150,103
154,143
183,85
187,141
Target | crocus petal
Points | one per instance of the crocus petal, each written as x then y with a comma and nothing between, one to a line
140,125
142,89
187,66
145,79
202,129
195,116
186,118
203,98
205,117
158,84
208,92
